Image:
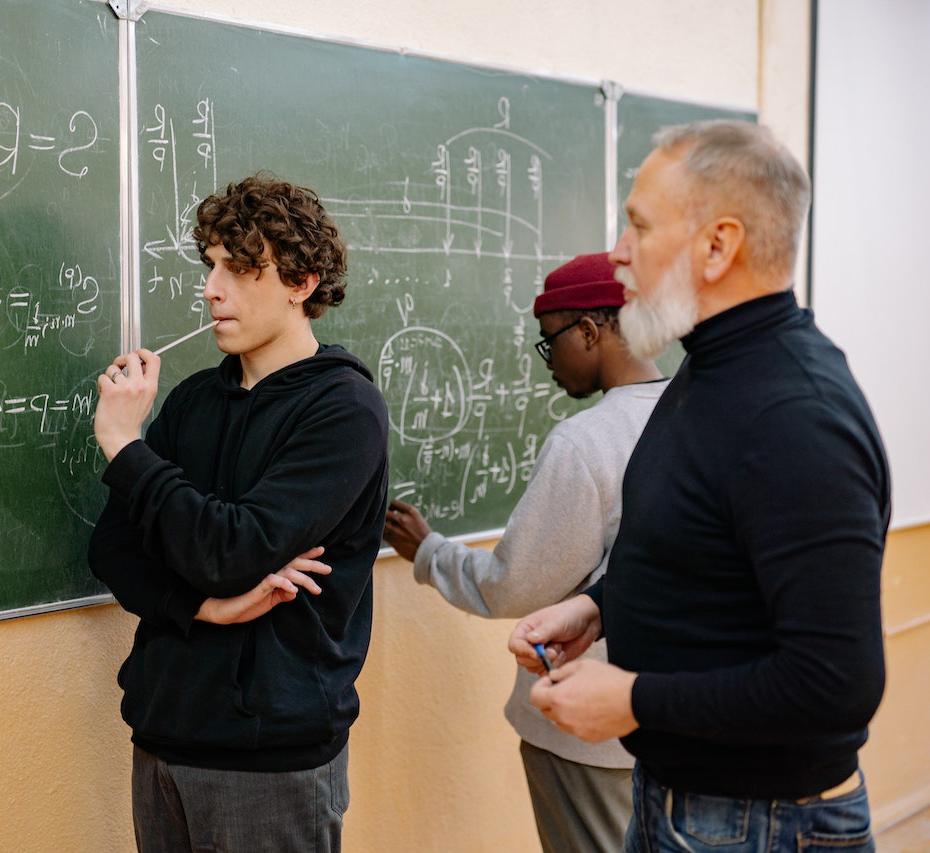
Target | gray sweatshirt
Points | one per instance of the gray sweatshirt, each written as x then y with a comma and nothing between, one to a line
557,542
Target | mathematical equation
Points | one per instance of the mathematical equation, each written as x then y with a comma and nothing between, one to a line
184,152
55,430
467,421
486,199
485,468
71,146
36,316
51,414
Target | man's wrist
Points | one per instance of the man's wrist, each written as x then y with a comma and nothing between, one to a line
588,608
206,613
431,543
112,445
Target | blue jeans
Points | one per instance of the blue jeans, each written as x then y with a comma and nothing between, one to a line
669,821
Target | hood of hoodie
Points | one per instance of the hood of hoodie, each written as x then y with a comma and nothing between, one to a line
250,417
292,377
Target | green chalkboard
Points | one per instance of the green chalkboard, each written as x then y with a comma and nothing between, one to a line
639,117
59,287
456,188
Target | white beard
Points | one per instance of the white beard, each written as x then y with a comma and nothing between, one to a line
650,325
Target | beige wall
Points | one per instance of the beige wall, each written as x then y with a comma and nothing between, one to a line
896,759
434,766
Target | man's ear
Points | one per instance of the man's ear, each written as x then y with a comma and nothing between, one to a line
590,331
301,292
722,240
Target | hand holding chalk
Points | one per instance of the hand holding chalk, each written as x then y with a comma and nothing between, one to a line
125,400
166,347
127,392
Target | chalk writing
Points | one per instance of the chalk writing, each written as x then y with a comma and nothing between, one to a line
467,422
72,145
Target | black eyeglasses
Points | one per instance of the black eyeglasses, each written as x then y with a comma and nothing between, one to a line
544,347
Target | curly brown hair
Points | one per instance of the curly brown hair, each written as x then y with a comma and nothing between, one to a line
301,236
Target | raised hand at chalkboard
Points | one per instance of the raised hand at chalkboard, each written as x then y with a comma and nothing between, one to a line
405,528
127,391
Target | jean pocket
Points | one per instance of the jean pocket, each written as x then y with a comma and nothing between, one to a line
716,821
828,842
840,824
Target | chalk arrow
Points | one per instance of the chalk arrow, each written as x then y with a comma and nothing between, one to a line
151,250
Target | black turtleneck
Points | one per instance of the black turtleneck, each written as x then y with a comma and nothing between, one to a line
744,583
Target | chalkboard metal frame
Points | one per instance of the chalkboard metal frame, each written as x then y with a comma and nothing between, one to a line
52,606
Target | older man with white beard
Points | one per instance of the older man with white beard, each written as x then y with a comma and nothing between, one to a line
741,599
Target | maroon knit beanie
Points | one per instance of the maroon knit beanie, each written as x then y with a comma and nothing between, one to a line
584,282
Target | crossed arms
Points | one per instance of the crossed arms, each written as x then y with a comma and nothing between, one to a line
169,552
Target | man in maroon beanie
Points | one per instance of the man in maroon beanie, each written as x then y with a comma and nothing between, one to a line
557,542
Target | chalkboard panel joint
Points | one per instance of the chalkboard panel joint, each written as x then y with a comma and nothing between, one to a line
129,10
611,91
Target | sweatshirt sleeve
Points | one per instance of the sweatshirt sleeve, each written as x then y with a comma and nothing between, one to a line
138,581
553,541
809,505
312,484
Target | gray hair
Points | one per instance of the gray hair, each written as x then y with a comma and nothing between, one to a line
740,169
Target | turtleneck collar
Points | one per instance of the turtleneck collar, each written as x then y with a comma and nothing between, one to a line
738,324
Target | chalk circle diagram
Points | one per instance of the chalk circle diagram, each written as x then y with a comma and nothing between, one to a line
425,380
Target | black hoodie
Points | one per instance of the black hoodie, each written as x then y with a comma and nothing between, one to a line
229,485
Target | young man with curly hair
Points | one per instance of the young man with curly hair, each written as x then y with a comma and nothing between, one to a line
240,710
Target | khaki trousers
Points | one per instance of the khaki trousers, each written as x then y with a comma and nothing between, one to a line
578,808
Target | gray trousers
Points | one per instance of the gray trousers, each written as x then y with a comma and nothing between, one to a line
177,809
578,808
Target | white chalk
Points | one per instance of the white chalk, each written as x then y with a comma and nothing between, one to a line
185,337
174,343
